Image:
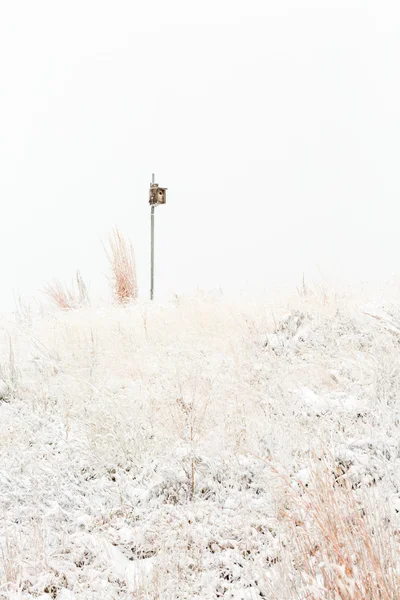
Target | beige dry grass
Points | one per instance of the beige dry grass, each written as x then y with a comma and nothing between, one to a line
123,268
68,297
346,548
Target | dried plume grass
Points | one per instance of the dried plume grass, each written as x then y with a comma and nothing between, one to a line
123,268
68,297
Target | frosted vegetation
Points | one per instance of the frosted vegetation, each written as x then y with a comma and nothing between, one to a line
200,449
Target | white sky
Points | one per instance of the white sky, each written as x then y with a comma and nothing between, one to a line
274,124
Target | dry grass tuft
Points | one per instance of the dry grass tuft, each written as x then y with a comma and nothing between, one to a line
68,298
347,550
123,267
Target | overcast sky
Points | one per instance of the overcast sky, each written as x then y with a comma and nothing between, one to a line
274,124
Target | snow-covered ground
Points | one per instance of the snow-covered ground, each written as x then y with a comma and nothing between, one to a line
140,447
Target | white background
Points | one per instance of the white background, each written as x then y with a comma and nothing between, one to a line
274,124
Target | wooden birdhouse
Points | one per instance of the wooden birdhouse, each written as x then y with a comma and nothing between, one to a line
158,195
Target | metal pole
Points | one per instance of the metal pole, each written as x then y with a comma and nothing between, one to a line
152,249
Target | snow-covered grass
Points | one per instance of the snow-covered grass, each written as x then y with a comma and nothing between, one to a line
176,450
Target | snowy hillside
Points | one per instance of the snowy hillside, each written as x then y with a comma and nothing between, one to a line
164,451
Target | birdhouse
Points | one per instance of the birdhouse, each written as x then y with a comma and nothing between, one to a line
158,195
